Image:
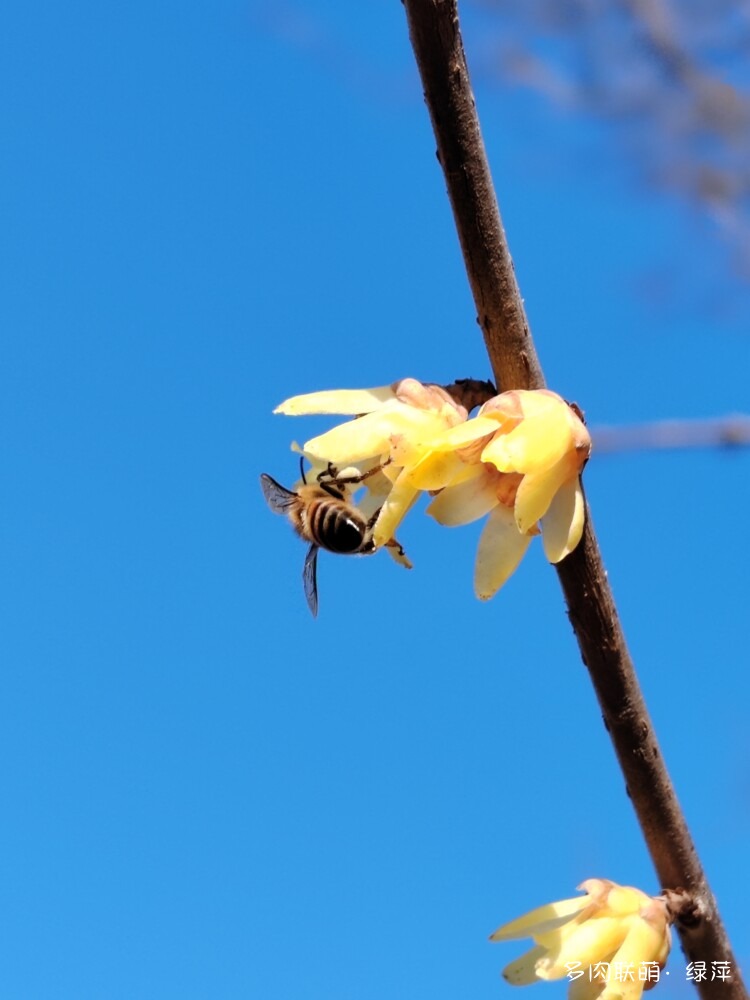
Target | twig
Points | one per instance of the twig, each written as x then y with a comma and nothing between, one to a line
722,432
436,39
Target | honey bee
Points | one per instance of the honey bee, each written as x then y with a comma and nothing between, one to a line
322,515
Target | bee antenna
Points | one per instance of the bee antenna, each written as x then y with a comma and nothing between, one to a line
302,469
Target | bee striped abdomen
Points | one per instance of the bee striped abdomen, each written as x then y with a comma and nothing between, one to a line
333,528
323,514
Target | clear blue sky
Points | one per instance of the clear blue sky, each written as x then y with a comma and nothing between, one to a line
205,793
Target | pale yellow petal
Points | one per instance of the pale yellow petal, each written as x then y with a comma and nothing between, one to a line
589,942
435,470
598,890
541,920
368,435
345,401
533,446
655,912
391,472
405,449
618,989
516,404
393,511
535,494
465,433
663,954
501,548
505,407
562,525
643,944
583,988
468,472
624,900
466,502
536,401
522,970
430,397
414,449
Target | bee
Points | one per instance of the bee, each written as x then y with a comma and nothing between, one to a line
322,515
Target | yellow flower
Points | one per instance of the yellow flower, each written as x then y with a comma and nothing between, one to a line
521,457
611,942
394,427
519,460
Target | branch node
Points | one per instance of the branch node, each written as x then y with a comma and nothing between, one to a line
683,907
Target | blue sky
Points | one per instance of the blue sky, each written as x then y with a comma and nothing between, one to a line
206,209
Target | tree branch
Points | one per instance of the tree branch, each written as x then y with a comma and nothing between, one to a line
500,312
436,39
720,432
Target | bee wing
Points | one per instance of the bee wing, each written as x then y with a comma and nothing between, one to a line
310,580
278,497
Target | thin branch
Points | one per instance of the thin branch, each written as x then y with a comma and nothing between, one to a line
436,39
500,310
722,432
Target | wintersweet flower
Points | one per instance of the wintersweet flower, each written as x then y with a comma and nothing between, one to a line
393,428
521,458
611,942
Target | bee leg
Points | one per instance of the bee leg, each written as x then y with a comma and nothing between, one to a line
331,472
350,480
374,469
373,518
332,489
396,550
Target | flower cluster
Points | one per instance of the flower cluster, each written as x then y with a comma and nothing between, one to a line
518,460
614,932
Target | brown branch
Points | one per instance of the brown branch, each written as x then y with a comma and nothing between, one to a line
436,39
500,312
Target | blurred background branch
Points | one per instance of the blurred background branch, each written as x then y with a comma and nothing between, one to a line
670,78
723,432
665,80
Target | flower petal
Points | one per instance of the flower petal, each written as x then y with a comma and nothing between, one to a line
501,548
533,446
562,525
643,944
522,970
465,433
435,470
466,502
541,920
535,494
430,397
589,942
583,988
393,511
347,401
518,404
369,435
536,401
625,901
